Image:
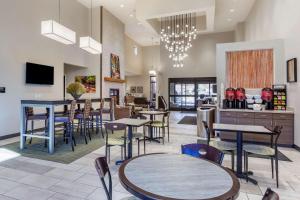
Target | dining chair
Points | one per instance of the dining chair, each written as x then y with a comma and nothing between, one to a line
107,108
31,116
84,120
270,195
117,137
203,151
103,171
139,136
226,147
96,117
68,121
162,125
267,151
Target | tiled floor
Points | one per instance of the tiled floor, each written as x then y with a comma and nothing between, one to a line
25,178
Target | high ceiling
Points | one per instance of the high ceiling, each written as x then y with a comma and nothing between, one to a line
141,16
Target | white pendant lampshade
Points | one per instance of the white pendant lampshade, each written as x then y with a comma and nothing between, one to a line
58,32
90,45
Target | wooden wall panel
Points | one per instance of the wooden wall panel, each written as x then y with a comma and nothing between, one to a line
250,69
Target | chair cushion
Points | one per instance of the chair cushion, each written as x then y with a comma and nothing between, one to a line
115,141
61,119
223,146
259,150
158,124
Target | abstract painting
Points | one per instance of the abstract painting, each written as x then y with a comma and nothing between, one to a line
89,83
115,66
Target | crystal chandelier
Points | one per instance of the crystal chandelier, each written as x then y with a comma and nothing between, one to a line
177,33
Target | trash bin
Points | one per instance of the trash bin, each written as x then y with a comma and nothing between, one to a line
205,114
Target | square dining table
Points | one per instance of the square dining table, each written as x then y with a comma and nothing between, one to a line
239,130
131,123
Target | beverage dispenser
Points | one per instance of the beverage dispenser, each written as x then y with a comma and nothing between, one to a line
230,98
267,97
240,95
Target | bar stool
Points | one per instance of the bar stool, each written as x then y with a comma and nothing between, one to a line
98,115
30,116
84,120
162,125
68,124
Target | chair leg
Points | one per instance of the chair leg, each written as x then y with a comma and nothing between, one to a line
246,155
232,160
70,133
168,133
272,166
138,141
84,133
89,131
144,145
277,172
163,135
106,148
32,128
26,127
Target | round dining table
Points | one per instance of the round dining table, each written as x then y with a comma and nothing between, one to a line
177,177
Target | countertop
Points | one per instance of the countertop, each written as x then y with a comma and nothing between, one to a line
288,111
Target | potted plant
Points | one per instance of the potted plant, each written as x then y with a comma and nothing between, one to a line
76,90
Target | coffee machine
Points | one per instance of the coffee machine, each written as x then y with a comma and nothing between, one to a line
229,101
240,96
267,97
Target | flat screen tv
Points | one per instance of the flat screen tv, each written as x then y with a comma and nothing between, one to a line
39,74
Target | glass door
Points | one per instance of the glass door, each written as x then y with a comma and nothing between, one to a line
185,92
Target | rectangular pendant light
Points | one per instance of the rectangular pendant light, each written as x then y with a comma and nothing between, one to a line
58,32
90,45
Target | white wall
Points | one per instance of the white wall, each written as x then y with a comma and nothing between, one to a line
272,19
150,61
113,42
21,42
133,63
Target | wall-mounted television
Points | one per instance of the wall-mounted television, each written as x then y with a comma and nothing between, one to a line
39,74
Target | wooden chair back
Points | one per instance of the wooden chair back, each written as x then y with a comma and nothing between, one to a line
103,170
207,131
72,110
87,108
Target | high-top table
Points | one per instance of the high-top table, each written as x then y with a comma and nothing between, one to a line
239,130
177,177
152,113
130,123
49,105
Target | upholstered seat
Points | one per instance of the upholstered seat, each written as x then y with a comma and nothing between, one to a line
62,119
114,141
159,124
259,150
223,146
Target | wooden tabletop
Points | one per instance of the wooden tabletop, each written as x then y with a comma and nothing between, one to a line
152,112
132,122
241,128
55,102
172,176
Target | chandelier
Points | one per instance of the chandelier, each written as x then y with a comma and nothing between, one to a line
177,33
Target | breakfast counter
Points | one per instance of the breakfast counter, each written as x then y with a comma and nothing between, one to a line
267,118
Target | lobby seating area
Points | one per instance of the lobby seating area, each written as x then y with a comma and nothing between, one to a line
149,100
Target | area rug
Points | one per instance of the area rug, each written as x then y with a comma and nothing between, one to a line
281,156
63,152
188,120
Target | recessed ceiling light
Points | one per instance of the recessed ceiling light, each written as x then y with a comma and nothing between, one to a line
231,10
229,19
139,23
122,5
131,15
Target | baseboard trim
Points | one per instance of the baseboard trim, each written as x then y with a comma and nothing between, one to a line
5,137
297,147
